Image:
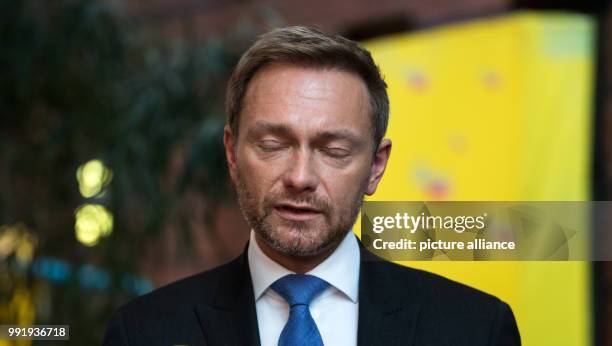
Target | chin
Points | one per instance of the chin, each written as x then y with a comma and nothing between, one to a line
299,239
295,241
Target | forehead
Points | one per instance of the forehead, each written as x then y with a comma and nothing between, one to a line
307,98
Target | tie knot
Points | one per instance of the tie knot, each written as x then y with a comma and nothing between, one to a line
299,289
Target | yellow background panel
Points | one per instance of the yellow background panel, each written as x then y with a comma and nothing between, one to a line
497,109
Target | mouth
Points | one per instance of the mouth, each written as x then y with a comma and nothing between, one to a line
293,212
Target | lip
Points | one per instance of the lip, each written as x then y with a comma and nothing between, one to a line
293,212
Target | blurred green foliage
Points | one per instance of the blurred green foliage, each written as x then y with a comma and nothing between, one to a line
79,81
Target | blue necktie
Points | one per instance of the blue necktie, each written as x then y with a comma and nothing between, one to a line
299,290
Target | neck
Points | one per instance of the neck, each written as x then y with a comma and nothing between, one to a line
297,264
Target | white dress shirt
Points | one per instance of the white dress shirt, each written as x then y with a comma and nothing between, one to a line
334,311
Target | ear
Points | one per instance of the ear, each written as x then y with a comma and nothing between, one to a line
230,153
378,165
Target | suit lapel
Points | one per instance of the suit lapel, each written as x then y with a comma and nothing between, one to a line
387,316
232,318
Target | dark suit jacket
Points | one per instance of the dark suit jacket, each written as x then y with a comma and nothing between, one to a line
397,306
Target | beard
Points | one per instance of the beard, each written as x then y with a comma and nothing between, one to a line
297,238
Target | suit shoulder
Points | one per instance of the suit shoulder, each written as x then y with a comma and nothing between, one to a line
169,313
430,286
183,292
460,314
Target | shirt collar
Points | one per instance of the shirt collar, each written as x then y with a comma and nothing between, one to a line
340,269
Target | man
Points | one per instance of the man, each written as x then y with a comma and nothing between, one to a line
307,113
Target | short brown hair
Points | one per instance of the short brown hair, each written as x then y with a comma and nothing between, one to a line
309,47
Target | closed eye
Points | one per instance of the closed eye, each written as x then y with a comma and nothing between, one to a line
270,146
337,153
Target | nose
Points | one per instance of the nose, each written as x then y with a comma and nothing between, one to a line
301,174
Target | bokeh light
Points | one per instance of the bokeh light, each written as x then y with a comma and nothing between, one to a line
19,241
93,221
93,176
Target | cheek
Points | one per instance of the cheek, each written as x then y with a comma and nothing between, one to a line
258,175
344,188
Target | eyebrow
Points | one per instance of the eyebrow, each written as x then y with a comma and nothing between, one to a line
338,135
262,127
266,127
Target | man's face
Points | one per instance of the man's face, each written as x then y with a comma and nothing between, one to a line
303,158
